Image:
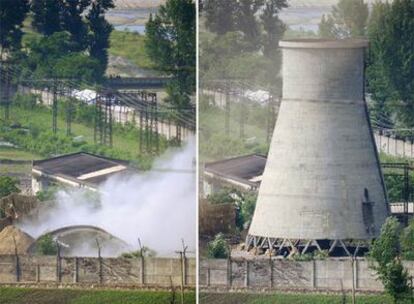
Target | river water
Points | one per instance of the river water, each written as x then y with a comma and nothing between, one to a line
297,17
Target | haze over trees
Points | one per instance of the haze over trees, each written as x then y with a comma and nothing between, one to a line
242,41
347,19
390,70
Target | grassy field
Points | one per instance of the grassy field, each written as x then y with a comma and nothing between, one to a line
236,298
130,46
17,154
71,296
41,119
215,145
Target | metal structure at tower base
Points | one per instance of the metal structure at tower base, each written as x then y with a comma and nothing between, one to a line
322,188
287,247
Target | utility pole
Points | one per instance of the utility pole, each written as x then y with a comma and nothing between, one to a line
69,112
100,261
227,110
182,254
54,106
5,89
58,263
353,278
142,262
242,114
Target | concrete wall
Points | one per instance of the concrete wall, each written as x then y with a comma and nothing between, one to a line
108,271
330,274
394,147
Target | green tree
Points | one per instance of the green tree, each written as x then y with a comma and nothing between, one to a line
273,31
391,68
218,248
247,23
171,46
273,27
407,241
326,27
220,15
8,185
46,245
377,83
12,15
72,18
386,252
55,56
394,60
347,19
223,196
100,30
46,16
246,206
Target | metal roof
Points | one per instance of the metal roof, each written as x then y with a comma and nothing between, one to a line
82,167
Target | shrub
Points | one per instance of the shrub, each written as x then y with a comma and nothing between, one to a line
386,252
46,245
8,185
218,248
407,241
145,252
301,257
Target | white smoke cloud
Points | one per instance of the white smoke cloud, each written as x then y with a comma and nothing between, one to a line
158,206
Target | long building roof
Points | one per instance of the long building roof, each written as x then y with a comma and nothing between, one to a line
246,169
81,168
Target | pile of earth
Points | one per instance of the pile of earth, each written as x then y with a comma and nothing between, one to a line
12,238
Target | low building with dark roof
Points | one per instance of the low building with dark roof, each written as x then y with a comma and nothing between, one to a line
242,172
82,170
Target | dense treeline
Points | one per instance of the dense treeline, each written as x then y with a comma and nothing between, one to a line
72,40
171,45
390,71
242,41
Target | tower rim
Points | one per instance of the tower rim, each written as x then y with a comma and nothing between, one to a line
311,43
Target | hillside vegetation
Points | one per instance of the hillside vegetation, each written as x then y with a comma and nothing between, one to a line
130,46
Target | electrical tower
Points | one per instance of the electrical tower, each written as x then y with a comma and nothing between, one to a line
103,119
5,88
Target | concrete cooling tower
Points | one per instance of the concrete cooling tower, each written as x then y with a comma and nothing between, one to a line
322,188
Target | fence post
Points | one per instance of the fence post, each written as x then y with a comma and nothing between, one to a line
100,270
58,264
208,276
142,274
271,272
247,270
17,265
313,279
99,262
185,270
229,272
17,262
353,265
76,271
356,274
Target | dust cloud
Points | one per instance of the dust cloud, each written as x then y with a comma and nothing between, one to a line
158,206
